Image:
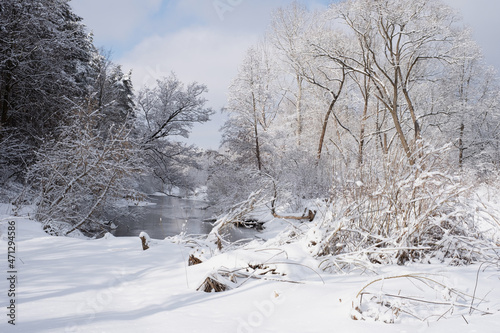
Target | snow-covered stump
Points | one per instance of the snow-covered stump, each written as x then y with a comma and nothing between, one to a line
145,239
218,282
210,284
194,260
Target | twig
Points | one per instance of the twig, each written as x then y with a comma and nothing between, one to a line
475,288
428,302
298,264
441,316
414,276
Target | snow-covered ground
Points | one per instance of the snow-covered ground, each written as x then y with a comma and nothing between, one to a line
112,285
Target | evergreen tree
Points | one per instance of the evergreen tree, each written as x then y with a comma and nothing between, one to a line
44,62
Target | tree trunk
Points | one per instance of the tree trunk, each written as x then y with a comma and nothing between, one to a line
335,96
416,125
256,133
298,110
324,127
461,147
257,148
4,105
397,124
363,122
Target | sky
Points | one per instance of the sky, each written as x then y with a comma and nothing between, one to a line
205,40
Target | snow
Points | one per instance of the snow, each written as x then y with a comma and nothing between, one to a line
112,285
159,194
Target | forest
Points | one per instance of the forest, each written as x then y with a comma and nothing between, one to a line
374,123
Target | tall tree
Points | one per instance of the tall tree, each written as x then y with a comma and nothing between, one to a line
469,96
401,39
252,104
44,60
111,92
290,29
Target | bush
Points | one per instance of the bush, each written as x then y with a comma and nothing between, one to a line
398,214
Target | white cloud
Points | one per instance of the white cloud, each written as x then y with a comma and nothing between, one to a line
115,20
208,56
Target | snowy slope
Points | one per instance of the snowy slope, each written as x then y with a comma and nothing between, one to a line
112,285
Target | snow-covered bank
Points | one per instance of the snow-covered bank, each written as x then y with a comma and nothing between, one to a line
112,285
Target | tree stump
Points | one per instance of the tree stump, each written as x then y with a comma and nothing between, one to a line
193,261
212,285
144,240
144,243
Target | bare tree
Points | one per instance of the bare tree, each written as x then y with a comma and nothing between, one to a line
468,94
290,29
166,112
400,39
253,101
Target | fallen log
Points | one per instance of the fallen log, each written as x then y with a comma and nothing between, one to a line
307,215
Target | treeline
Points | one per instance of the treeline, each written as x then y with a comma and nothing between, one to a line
71,126
382,116
331,98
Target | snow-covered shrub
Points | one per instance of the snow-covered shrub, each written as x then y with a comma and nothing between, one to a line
400,213
299,177
236,215
60,229
80,173
229,184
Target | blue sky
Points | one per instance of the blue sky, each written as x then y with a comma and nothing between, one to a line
205,40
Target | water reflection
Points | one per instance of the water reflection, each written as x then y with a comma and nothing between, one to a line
168,217
172,216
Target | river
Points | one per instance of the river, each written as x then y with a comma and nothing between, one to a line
170,216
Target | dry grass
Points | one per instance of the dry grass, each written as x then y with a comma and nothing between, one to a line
418,296
401,213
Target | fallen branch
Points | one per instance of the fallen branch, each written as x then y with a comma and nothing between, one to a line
310,215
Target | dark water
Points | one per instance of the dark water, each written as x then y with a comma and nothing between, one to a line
172,216
168,217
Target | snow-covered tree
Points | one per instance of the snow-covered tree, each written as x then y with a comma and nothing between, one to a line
44,58
402,41
82,173
469,96
290,29
111,92
166,113
252,106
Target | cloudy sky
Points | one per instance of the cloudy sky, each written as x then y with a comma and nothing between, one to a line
205,40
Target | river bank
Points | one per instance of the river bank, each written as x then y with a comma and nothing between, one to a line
111,285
